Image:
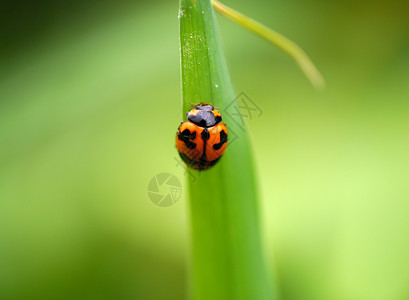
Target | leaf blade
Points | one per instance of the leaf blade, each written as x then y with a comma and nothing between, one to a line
227,257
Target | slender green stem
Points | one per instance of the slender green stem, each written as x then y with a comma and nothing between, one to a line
276,39
227,251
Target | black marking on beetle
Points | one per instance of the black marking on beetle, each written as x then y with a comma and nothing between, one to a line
223,139
203,159
205,134
186,136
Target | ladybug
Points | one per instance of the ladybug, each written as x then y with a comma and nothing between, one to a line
202,139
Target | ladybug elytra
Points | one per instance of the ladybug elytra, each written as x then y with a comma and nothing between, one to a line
202,140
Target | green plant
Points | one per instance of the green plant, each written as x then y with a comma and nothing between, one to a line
227,257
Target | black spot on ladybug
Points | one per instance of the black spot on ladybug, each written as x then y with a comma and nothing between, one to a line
203,160
223,139
205,134
186,136
202,123
187,133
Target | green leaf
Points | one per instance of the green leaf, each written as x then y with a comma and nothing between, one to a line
227,260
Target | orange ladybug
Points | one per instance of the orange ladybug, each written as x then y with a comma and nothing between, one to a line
202,139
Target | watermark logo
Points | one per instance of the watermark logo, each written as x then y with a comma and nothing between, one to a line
241,108
164,189
188,171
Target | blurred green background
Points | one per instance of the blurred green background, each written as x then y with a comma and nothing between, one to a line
89,106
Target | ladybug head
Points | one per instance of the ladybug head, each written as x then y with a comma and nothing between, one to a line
204,106
204,115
